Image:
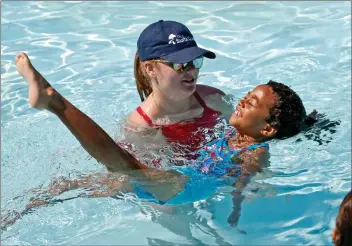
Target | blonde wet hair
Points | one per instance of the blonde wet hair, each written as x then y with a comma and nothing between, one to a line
143,80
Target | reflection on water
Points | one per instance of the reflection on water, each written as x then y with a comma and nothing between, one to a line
86,50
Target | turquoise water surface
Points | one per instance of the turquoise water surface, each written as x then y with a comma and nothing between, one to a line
86,50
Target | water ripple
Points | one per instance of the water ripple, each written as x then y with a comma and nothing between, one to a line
86,49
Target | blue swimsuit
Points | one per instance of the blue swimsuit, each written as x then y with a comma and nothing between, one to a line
213,167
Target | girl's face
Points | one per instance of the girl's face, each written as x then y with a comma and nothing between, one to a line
251,113
174,84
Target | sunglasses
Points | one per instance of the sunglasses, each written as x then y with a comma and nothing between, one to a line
180,67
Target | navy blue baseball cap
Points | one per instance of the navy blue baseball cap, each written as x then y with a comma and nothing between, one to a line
171,41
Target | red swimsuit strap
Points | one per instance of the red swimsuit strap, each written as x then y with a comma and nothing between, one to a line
207,110
145,116
199,99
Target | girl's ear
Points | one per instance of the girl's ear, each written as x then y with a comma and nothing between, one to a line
268,131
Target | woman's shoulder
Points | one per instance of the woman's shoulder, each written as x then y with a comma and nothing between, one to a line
206,90
135,120
215,99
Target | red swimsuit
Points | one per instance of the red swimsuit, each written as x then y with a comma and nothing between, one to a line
190,133
187,136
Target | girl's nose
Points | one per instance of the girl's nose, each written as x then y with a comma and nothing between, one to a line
242,103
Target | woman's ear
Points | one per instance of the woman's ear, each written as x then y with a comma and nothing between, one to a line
268,131
149,68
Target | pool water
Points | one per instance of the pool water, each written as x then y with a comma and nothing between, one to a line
86,50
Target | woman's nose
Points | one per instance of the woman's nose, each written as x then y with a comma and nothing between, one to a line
190,67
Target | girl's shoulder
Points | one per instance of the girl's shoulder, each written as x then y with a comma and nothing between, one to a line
253,159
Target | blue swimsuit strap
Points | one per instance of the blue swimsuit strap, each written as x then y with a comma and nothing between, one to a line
231,132
256,146
248,148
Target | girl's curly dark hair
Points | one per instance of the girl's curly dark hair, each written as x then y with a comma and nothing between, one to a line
343,230
288,115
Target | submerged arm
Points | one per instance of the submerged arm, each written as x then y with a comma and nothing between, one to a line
251,163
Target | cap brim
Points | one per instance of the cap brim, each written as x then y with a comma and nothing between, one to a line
189,54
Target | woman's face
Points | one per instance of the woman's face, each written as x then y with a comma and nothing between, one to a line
174,84
251,113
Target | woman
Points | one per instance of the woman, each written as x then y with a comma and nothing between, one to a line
166,69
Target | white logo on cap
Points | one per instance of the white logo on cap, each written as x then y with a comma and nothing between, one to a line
177,39
172,38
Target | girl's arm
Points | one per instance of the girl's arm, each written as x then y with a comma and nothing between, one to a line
251,163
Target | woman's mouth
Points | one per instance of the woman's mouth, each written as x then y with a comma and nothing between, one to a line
188,81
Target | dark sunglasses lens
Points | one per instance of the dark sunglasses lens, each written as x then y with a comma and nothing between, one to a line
198,62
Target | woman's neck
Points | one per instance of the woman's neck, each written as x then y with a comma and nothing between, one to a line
168,106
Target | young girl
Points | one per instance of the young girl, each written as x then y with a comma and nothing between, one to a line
271,110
